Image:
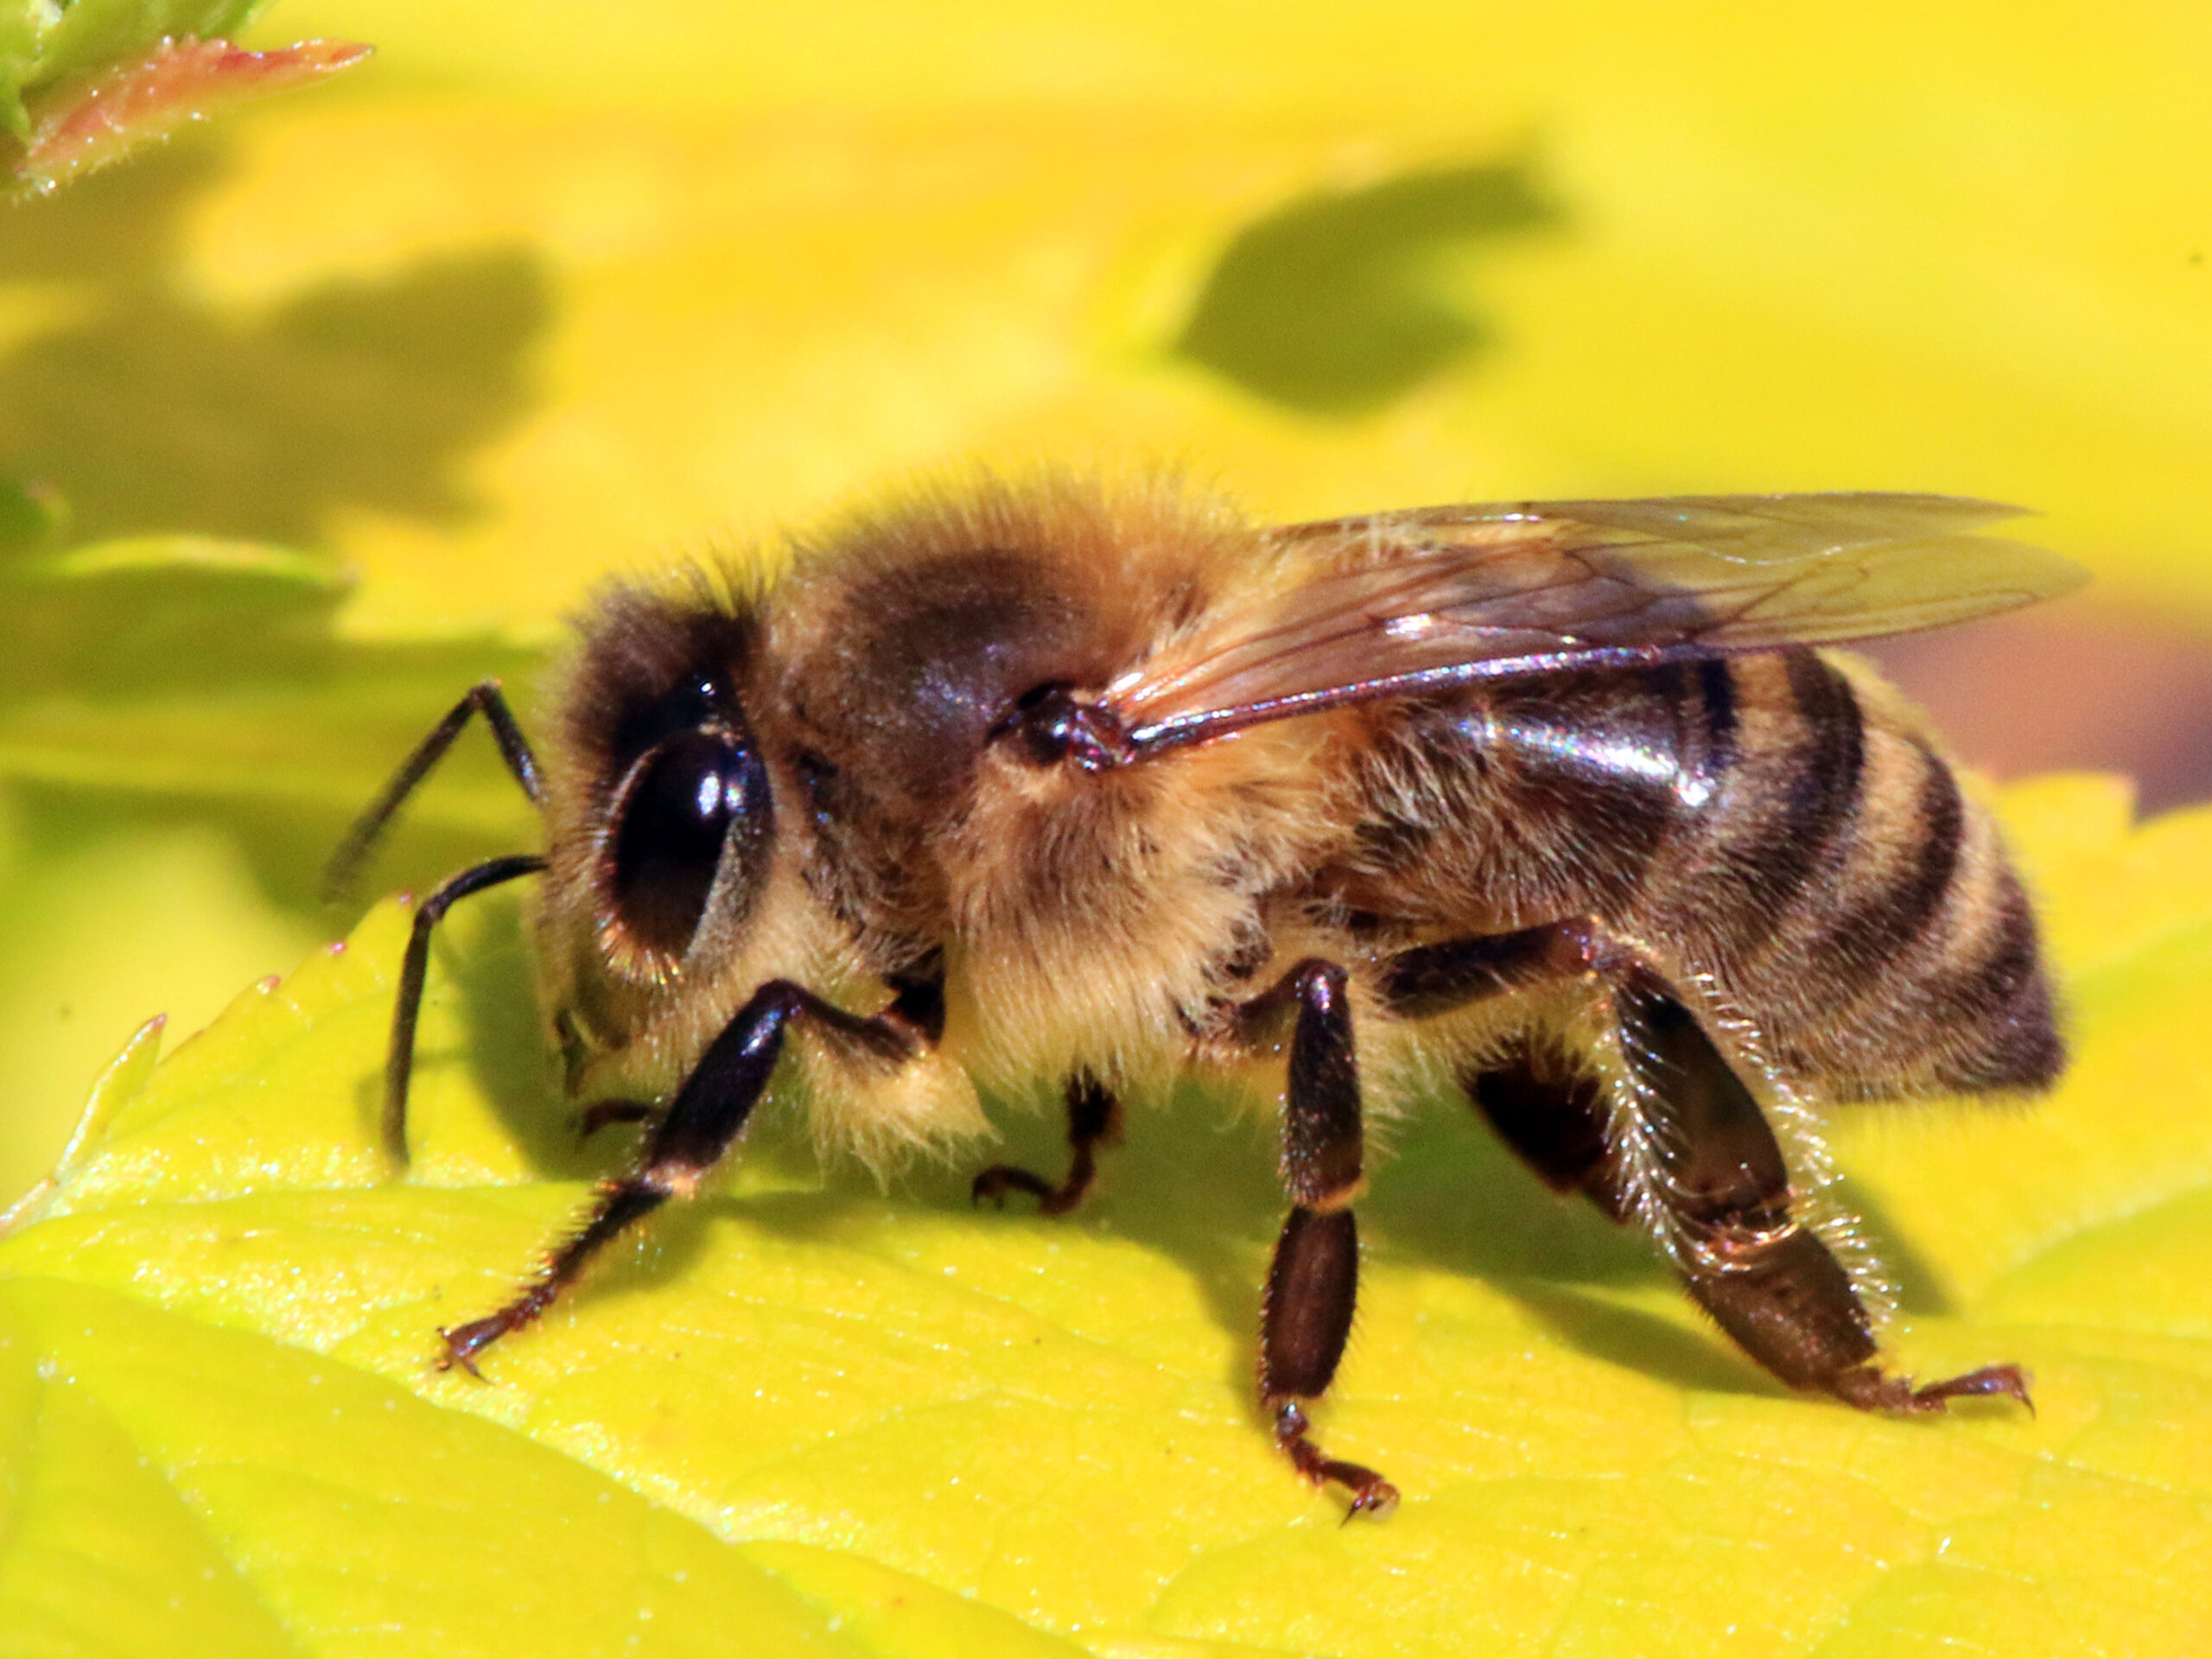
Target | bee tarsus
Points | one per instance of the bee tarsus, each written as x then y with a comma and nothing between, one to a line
691,1137
1871,1389
1094,1120
1371,1494
605,1114
620,1203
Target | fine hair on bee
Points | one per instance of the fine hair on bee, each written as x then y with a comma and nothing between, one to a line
1566,807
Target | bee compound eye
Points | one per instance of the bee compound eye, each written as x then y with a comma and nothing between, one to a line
675,829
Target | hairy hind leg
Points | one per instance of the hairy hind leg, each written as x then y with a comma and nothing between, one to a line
1768,1279
1719,1186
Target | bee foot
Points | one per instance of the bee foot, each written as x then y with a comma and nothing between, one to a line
602,1113
1868,1389
1370,1493
461,1342
464,1342
2010,1381
999,1180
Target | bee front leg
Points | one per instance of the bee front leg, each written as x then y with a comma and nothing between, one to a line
1094,1120
414,974
1313,1281
706,1115
1768,1279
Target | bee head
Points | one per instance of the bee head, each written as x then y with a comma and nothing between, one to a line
676,824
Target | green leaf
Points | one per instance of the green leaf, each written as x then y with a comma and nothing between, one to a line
182,740
893,1424
153,610
28,516
41,43
180,667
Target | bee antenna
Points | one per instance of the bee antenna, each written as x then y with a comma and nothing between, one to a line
353,854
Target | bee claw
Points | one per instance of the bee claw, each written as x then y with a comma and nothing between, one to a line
1377,1498
2008,1381
993,1183
458,1351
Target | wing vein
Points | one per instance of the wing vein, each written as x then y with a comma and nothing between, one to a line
1404,604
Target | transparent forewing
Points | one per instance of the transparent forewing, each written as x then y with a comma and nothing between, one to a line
1400,603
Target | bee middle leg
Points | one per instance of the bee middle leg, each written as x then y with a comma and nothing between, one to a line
692,1136
1305,1313
1094,1120
607,1113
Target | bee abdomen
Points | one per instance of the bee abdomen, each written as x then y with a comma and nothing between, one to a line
1997,987
1778,826
1819,745
1882,943
1887,896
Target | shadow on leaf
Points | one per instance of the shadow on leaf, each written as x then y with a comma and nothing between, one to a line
1340,302
162,647
154,412
1699,1359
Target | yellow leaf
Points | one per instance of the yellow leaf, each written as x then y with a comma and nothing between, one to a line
895,1421
532,297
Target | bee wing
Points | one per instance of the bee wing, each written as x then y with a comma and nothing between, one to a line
1402,603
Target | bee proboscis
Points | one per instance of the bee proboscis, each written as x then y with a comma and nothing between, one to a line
1054,784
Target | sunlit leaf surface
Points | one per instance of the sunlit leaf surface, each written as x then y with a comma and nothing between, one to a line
311,420
891,1423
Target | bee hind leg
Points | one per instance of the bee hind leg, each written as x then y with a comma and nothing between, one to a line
1094,1120
1768,1281
1313,1281
1553,1115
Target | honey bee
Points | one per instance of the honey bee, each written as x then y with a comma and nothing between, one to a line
1058,785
